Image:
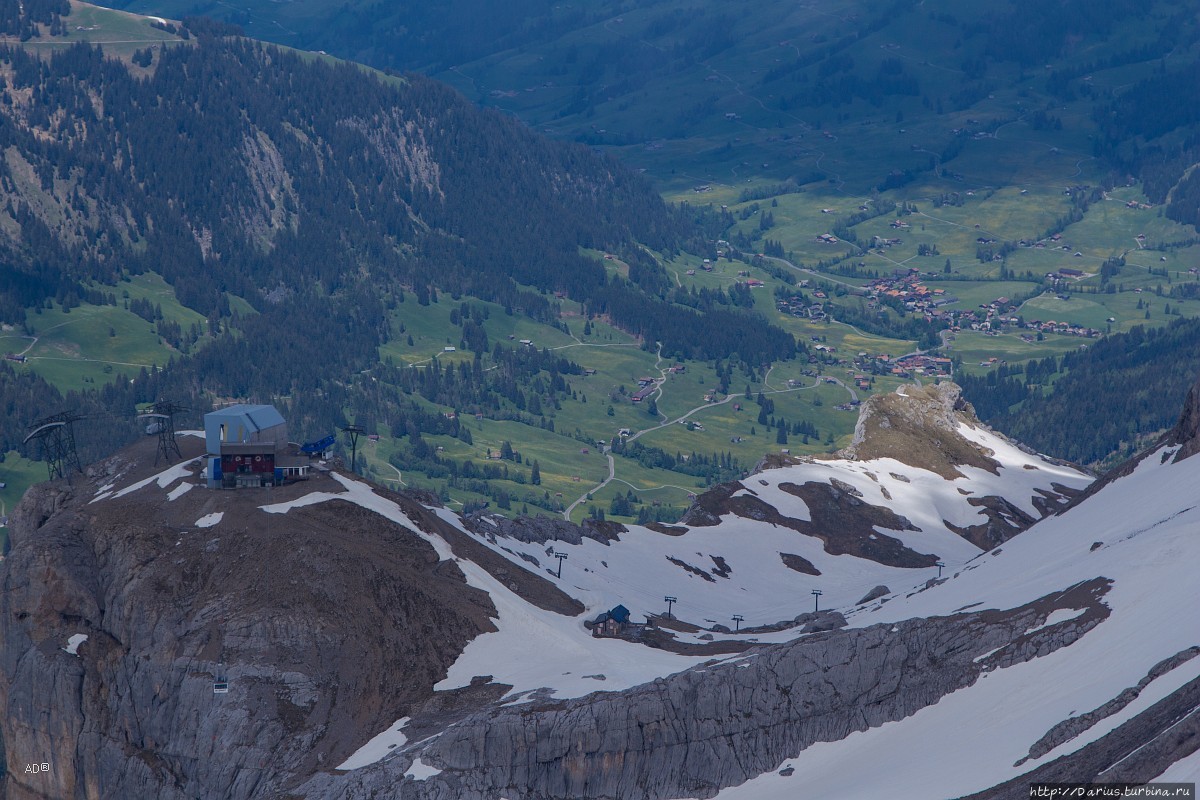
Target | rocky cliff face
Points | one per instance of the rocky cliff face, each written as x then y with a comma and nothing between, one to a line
1186,433
692,734
312,618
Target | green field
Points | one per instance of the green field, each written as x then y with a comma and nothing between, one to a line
90,345
974,348
120,32
18,474
599,406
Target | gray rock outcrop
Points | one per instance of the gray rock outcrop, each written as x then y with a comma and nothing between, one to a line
699,731
309,613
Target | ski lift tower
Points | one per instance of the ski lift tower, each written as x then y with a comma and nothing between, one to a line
354,431
161,417
55,436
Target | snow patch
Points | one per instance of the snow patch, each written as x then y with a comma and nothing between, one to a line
378,747
74,641
163,479
208,520
180,490
420,771
1186,769
306,500
991,652
562,643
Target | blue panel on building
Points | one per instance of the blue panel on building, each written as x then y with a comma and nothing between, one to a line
319,446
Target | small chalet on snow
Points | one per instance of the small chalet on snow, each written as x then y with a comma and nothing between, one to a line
615,623
247,446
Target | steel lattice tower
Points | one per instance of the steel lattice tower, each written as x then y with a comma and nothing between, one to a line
55,436
163,414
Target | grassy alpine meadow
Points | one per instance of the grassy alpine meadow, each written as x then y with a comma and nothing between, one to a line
17,474
977,349
122,33
971,294
90,345
690,413
152,288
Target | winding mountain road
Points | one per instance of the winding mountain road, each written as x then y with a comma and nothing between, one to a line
612,468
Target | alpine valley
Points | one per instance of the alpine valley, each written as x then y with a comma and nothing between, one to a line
638,401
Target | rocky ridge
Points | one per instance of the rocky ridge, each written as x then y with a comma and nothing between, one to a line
312,611
691,734
302,614
921,427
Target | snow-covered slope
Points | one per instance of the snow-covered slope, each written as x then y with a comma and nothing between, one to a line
844,526
756,549
1067,654
1142,532
1119,565
841,526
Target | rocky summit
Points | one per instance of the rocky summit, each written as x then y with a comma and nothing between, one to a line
332,639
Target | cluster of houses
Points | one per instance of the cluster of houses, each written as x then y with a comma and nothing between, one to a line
921,364
646,387
998,315
906,286
798,305
902,367
1061,328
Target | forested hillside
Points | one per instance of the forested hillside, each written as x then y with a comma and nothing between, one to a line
744,86
295,204
1097,404
234,168
1028,168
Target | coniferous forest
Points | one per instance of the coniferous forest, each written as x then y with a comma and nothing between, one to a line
324,196
1106,401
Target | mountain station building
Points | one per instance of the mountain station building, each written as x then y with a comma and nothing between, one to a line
247,446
